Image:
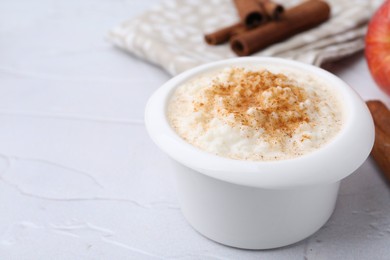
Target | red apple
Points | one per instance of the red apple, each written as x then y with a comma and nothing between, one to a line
378,47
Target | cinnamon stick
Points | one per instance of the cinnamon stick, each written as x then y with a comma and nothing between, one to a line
381,150
223,35
273,10
295,20
250,12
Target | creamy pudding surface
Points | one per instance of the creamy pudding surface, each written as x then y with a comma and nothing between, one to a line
256,113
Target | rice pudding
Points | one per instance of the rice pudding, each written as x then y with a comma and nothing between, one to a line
256,113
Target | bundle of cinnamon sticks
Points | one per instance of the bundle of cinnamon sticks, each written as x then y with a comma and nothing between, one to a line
264,22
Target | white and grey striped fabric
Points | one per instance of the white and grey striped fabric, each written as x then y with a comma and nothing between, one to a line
171,35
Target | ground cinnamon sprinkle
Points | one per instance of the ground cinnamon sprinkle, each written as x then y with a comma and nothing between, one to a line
258,99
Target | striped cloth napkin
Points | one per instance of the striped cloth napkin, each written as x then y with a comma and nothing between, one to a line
171,34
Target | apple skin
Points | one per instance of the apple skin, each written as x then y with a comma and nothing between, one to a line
377,49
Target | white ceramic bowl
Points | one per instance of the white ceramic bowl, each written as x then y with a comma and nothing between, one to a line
261,204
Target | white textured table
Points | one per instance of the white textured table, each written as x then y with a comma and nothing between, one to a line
79,177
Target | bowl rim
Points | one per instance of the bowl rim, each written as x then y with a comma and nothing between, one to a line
330,163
